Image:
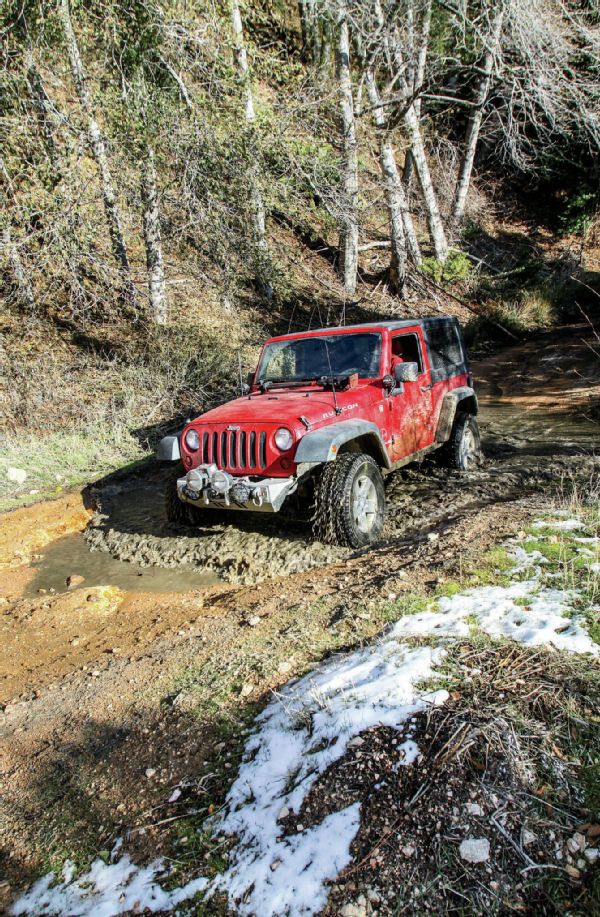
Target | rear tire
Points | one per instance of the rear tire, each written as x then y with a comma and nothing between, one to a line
463,449
349,508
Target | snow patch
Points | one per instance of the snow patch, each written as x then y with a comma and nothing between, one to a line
522,611
565,525
309,726
526,559
105,891
301,734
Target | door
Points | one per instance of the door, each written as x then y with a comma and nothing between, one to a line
410,404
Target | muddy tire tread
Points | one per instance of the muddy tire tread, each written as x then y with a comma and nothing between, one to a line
175,510
180,513
453,446
332,510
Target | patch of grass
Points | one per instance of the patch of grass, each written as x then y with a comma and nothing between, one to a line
571,562
57,461
448,589
67,429
405,604
491,569
523,602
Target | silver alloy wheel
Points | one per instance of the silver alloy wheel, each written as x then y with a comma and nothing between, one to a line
364,503
468,447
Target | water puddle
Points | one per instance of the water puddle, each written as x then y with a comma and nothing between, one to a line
71,555
531,432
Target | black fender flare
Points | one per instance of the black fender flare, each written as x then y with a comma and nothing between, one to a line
450,406
323,445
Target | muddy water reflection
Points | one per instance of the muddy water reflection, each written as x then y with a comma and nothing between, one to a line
71,555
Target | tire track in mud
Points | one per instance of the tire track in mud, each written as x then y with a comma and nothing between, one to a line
253,548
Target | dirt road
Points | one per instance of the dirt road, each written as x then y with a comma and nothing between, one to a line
93,675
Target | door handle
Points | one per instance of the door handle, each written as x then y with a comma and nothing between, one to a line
427,388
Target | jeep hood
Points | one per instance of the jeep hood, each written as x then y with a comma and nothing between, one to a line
316,407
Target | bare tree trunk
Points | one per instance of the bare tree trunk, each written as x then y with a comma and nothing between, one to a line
258,206
399,216
474,125
241,59
417,145
154,256
10,254
349,229
419,76
422,54
307,24
98,147
434,219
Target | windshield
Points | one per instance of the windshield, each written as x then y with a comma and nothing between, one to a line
304,359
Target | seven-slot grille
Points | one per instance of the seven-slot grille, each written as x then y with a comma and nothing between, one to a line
238,451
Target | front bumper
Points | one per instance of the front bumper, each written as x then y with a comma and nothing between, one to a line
207,486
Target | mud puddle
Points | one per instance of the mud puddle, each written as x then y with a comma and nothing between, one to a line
71,555
130,525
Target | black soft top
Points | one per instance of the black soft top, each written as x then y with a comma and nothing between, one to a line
394,324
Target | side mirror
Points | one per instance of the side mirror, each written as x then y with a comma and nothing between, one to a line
406,372
250,380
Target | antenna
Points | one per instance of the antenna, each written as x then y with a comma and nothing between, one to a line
335,404
239,357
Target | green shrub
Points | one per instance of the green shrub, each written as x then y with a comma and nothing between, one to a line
456,267
578,213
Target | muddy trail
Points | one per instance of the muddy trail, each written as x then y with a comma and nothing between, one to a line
114,625
533,404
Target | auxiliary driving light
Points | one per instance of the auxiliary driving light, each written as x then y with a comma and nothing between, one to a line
283,439
196,480
220,482
192,440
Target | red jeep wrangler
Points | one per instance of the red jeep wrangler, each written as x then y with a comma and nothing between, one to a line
327,416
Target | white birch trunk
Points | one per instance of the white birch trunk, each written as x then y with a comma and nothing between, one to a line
98,147
474,125
241,59
402,233
417,145
349,229
419,76
432,210
157,287
422,54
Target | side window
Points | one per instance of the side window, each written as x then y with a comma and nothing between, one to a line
445,350
406,349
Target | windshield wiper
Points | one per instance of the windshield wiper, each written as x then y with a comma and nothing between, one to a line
265,384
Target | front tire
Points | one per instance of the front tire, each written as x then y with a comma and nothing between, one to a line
349,507
463,449
180,513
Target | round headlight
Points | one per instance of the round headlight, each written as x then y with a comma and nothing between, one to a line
192,440
283,439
